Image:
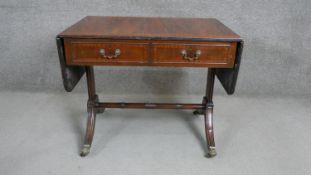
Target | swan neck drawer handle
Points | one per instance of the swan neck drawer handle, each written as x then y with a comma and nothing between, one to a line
117,53
196,56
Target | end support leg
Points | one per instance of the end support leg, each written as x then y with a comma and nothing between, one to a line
91,110
209,131
208,114
89,132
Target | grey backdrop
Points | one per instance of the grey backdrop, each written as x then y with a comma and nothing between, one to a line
276,59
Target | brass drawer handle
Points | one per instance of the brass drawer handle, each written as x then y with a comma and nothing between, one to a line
102,52
185,56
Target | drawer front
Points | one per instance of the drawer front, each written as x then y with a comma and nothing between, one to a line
105,52
196,54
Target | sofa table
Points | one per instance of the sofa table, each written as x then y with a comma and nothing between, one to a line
148,41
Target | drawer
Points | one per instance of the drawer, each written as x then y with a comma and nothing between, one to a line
194,54
105,52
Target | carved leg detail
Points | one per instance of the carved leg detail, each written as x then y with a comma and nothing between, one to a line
99,110
209,131
198,112
89,131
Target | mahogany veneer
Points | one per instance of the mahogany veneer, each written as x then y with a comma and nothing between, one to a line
149,53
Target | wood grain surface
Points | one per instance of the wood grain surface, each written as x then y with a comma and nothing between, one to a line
150,28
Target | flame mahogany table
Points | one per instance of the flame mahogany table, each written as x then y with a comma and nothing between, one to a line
147,41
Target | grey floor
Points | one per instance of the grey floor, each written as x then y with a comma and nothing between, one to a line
42,133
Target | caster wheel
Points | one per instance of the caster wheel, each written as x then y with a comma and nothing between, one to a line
85,150
211,152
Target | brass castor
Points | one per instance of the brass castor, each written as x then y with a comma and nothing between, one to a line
211,152
85,150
